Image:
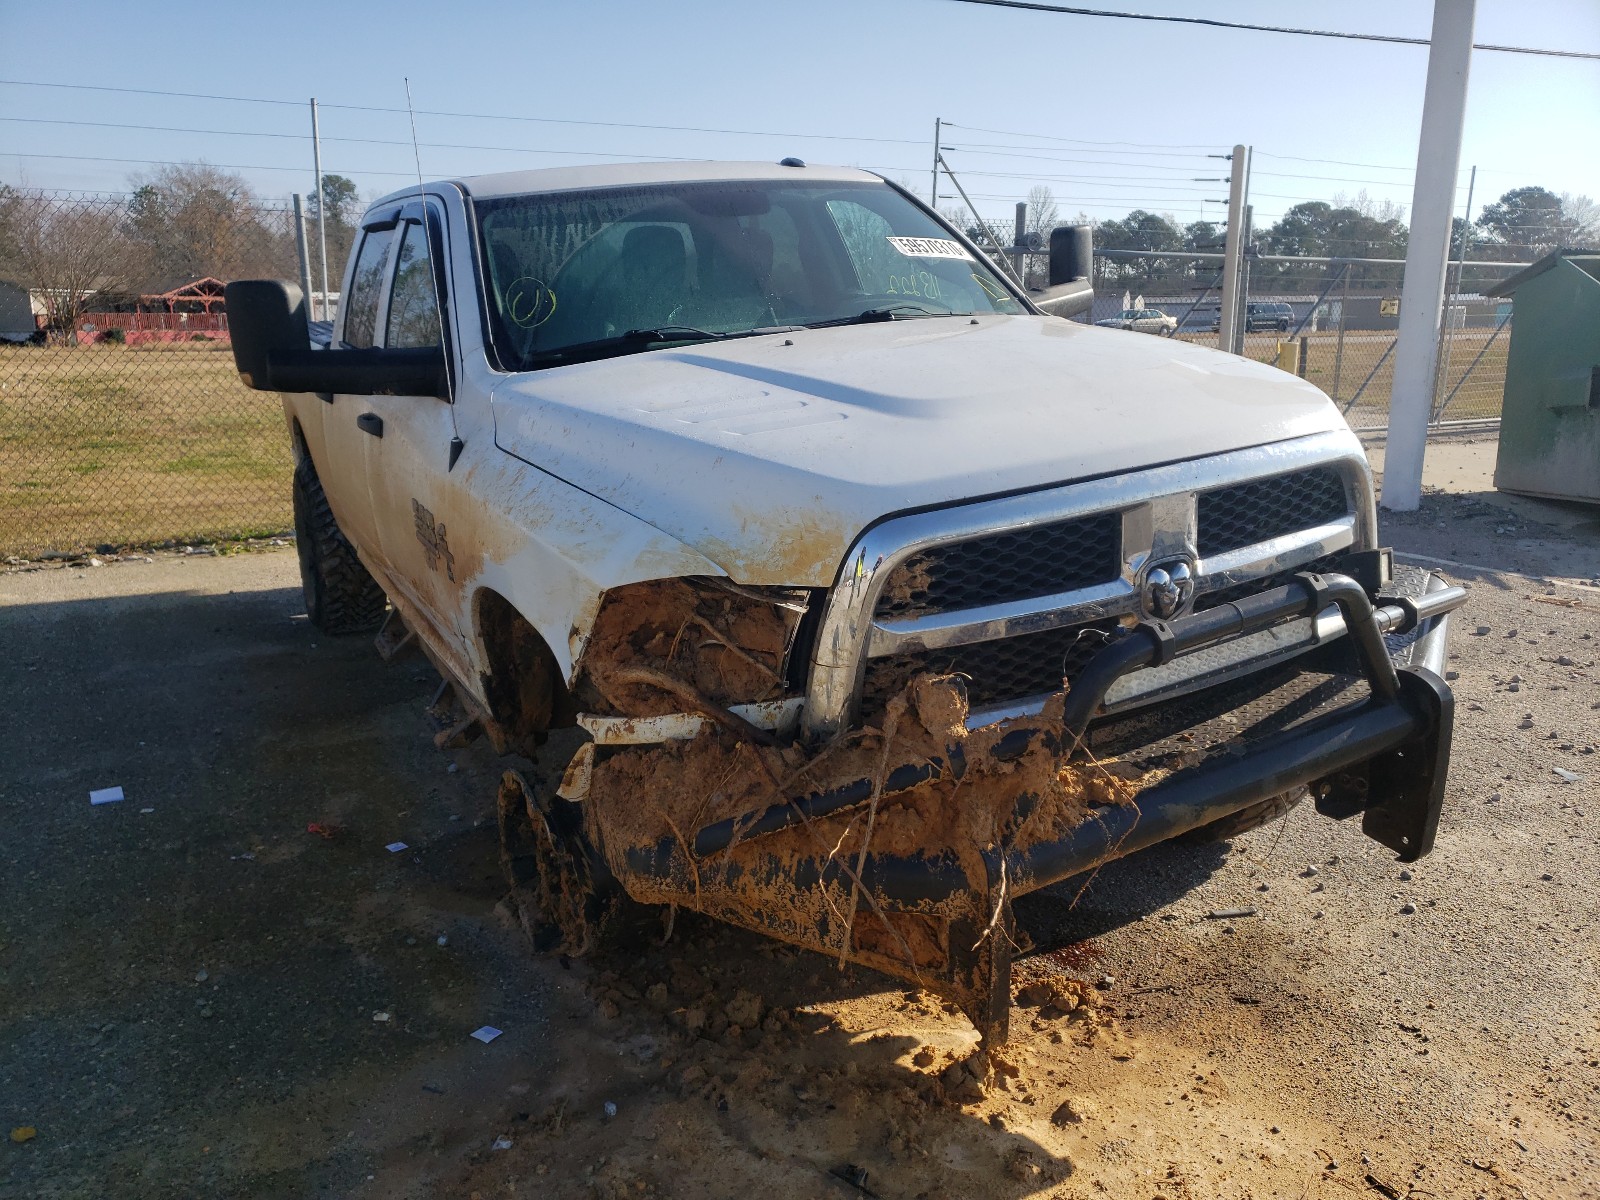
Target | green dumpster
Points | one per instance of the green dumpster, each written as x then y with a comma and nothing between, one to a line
1550,418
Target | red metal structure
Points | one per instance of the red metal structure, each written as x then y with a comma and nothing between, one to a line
191,311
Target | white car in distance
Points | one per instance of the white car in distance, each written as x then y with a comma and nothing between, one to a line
1142,320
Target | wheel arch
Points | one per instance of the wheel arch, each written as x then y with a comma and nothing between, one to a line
520,676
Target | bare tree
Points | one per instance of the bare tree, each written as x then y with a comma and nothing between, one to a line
195,220
1381,211
1584,214
68,253
1043,215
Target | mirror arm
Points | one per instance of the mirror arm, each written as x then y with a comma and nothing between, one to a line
360,372
1064,299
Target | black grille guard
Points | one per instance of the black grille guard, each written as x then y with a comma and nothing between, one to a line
1385,756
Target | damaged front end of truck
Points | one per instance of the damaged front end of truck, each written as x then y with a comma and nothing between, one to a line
867,790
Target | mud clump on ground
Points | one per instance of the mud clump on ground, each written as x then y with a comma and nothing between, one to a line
730,1067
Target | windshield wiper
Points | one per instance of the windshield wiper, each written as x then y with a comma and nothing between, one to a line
635,340
888,312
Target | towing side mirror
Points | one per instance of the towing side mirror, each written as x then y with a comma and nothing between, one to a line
1070,291
273,352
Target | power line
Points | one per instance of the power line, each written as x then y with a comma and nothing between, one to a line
1337,162
305,137
1153,147
830,137
1099,179
1213,23
968,148
164,162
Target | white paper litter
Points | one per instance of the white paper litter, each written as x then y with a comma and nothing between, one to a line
145,812
108,795
487,1034
395,847
1568,776
380,1016
501,1143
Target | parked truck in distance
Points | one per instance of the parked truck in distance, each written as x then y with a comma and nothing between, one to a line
881,594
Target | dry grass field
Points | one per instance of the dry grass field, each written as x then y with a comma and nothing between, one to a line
134,445
1342,375
119,444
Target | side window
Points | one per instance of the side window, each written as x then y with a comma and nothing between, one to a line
366,285
413,302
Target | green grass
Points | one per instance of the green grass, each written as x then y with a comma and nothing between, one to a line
135,445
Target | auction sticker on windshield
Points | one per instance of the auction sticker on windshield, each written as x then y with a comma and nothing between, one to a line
920,247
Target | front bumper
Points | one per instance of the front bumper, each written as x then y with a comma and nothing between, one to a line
939,915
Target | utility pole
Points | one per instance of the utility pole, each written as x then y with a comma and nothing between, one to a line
1233,249
1433,203
300,248
322,206
933,194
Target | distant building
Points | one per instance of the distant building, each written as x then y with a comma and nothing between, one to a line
17,322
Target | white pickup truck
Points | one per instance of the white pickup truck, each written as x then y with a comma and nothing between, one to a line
881,595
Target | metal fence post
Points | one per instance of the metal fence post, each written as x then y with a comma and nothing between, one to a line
1344,315
300,247
1019,256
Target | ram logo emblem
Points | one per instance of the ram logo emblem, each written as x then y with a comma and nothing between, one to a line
1168,588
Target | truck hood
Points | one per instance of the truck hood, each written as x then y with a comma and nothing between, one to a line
769,455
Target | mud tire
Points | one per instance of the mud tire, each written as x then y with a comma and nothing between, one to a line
341,596
552,868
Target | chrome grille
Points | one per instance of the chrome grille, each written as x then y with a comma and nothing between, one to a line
1006,669
1247,513
999,589
1220,596
1019,564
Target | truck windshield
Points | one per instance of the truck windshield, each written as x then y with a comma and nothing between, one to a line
586,274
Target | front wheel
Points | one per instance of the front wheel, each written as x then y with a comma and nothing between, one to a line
340,595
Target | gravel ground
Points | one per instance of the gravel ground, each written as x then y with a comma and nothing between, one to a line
207,999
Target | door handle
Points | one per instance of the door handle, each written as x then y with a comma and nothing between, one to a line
370,423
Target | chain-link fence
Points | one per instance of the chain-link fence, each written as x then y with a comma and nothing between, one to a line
122,419
1330,321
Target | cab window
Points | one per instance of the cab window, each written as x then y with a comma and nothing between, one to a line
413,301
366,287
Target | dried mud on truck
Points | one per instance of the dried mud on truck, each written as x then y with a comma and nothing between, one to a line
881,594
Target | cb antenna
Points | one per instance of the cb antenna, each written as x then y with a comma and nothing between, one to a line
456,444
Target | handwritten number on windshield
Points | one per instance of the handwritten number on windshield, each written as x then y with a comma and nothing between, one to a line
918,283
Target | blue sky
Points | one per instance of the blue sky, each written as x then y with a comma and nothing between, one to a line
1111,115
